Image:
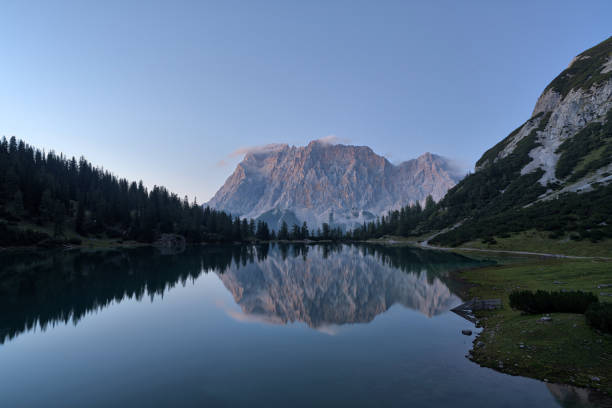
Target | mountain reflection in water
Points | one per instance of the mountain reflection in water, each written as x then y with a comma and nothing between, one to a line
188,347
319,285
349,286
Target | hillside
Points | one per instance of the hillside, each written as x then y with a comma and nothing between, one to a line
337,184
551,174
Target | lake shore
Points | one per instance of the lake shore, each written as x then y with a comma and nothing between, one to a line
563,350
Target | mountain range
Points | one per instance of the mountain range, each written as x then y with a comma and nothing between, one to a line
553,173
323,182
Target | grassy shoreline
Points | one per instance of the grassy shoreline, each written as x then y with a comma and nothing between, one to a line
538,241
565,350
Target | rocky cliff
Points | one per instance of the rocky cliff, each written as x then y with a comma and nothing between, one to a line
324,182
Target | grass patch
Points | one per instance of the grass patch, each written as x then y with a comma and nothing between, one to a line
539,241
585,164
397,238
565,350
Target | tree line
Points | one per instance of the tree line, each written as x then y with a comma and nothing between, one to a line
45,196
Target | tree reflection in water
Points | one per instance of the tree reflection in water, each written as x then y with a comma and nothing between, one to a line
332,284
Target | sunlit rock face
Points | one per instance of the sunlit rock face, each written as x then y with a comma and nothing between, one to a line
568,105
345,287
323,182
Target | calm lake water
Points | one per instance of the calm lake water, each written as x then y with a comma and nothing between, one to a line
269,326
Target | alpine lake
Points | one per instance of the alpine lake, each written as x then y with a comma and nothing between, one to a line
270,325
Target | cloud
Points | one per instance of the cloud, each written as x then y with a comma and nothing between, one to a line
331,330
243,151
333,140
221,163
254,318
458,166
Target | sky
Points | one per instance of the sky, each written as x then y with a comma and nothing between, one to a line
174,92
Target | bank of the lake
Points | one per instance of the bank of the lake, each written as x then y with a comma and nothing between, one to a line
564,350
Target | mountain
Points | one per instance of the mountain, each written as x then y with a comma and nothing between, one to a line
323,182
552,173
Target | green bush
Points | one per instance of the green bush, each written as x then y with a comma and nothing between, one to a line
550,302
599,316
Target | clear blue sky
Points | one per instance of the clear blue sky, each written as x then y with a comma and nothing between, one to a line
162,91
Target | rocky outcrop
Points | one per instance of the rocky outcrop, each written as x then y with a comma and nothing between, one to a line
568,116
546,102
322,182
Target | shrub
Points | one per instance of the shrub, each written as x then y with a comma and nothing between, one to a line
599,316
550,302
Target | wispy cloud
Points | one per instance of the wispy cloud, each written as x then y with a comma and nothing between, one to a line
221,163
254,318
458,168
243,151
333,140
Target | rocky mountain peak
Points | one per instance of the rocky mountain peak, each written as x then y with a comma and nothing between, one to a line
322,181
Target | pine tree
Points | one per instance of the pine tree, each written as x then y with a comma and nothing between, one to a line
17,204
59,216
325,231
80,219
295,232
283,233
47,206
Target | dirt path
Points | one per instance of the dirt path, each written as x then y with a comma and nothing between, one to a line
425,244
